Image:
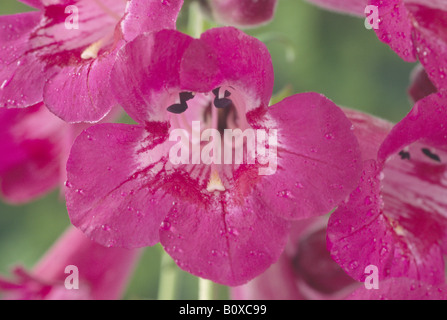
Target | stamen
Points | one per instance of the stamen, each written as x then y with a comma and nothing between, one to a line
404,155
431,155
92,51
222,102
181,107
178,108
215,183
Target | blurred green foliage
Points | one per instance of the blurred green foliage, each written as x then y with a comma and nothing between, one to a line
334,55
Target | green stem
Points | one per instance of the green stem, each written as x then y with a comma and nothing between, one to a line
169,275
206,291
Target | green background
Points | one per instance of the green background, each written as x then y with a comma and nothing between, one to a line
334,54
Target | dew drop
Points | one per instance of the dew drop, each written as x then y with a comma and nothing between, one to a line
165,225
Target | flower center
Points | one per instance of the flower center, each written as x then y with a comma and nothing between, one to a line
205,119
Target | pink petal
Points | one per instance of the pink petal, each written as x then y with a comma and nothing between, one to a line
33,147
81,92
431,41
356,7
318,156
117,199
104,271
401,289
224,241
305,270
424,123
396,28
243,13
369,130
382,229
242,62
14,36
147,16
149,74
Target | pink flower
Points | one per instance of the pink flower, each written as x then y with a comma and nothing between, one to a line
224,222
397,217
305,270
62,54
416,30
241,13
102,272
34,146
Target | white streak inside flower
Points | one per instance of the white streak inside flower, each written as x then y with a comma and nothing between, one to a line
92,51
215,183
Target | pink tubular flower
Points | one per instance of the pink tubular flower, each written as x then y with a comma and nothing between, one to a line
75,268
225,222
63,53
305,270
241,13
397,217
34,150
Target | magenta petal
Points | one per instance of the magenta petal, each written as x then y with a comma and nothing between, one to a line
14,36
225,242
371,230
81,93
147,67
243,13
251,68
369,130
200,68
17,93
396,28
318,156
146,16
401,289
356,7
425,122
109,197
431,41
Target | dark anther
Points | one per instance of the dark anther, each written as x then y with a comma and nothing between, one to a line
432,156
404,155
222,102
182,106
185,96
178,108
